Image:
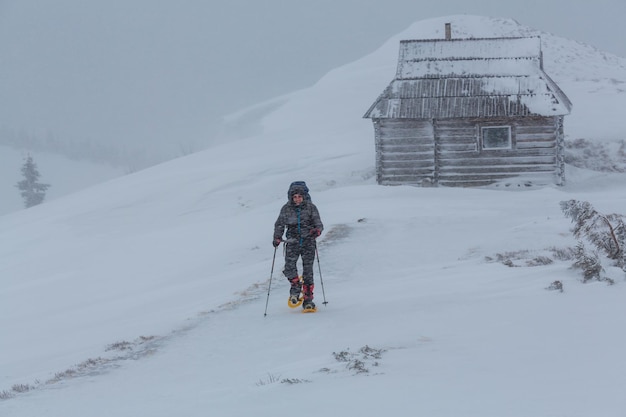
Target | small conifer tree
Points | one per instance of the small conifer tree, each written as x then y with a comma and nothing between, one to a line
32,191
605,232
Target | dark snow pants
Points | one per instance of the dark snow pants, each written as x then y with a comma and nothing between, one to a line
293,250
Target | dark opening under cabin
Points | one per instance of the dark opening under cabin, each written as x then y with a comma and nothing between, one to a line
470,112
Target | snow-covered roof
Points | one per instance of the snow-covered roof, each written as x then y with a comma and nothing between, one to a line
470,78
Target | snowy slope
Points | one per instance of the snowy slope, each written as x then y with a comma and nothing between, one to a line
64,175
593,80
145,295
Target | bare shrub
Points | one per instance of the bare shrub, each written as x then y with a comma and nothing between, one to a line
118,346
359,361
5,395
539,261
556,286
292,381
597,156
20,388
520,258
271,379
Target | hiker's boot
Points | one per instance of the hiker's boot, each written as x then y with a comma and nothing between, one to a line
295,290
307,291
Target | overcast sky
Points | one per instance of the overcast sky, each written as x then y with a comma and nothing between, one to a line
164,71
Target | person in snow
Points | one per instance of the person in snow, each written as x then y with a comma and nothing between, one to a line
302,220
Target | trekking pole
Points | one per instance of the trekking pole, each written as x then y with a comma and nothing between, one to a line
317,255
269,287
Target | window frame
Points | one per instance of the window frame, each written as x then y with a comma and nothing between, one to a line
509,129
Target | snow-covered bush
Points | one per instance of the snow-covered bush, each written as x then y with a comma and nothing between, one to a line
606,233
604,156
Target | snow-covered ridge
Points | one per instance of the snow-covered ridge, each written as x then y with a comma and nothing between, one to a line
595,82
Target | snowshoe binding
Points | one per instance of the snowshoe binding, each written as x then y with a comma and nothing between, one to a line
295,293
309,307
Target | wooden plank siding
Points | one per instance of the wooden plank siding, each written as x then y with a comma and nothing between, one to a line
532,154
404,151
448,152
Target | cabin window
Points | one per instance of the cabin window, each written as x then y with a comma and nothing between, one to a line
496,137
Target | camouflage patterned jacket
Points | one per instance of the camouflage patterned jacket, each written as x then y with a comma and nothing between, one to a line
299,221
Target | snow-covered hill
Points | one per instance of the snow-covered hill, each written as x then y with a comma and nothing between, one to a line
594,81
145,295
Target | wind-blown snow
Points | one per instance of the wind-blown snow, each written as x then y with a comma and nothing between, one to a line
145,295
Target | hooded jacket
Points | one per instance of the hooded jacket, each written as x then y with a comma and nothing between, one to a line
299,220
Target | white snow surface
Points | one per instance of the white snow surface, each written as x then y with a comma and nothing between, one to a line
145,295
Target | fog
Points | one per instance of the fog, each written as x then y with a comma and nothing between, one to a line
160,75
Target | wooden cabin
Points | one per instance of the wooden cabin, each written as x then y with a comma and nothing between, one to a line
470,112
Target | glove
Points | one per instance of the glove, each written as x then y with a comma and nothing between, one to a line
315,233
276,242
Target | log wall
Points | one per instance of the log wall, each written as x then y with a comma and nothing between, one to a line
405,151
448,152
